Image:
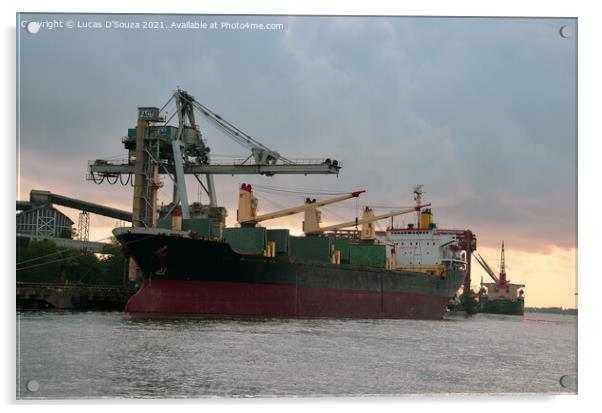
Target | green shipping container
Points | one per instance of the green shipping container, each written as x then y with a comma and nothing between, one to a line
343,246
164,223
246,240
310,248
280,237
368,255
202,226
216,230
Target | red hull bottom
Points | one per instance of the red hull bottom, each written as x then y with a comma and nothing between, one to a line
201,298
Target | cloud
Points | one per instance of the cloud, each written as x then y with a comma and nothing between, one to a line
480,111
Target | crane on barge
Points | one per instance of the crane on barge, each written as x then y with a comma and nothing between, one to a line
501,296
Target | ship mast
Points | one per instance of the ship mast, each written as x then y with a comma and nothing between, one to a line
418,198
503,267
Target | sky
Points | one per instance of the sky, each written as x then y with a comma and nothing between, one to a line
481,111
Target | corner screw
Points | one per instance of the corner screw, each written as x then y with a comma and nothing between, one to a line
32,385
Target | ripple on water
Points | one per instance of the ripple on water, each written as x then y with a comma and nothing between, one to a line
99,355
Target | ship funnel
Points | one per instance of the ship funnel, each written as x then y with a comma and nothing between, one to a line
426,218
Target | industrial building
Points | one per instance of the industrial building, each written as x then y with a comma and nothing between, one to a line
44,220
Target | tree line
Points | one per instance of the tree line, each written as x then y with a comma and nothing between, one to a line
44,262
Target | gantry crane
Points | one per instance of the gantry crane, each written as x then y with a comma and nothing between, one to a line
247,206
158,148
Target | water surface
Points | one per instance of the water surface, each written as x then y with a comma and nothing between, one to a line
111,355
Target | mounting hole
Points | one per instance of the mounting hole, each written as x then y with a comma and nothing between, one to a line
568,382
32,385
32,27
566,31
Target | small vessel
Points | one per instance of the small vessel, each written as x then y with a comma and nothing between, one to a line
501,296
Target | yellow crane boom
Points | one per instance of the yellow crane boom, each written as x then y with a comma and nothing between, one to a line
366,220
248,203
301,208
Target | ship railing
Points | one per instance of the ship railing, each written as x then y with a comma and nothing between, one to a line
455,263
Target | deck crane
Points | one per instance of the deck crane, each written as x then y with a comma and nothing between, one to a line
501,288
486,267
247,206
158,148
500,281
503,280
311,226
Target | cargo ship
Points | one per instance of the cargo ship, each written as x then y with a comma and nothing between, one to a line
500,296
191,267
189,263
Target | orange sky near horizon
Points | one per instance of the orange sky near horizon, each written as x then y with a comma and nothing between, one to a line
549,271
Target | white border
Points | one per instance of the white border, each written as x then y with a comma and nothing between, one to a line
589,149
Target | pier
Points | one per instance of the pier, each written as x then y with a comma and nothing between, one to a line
37,296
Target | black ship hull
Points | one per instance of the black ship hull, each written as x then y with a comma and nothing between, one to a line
187,276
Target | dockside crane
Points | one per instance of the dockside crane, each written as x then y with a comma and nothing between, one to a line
247,206
158,148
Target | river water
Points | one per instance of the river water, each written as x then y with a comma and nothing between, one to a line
111,355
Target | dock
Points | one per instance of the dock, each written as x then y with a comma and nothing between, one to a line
37,296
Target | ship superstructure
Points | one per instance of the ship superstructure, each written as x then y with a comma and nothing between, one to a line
422,246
